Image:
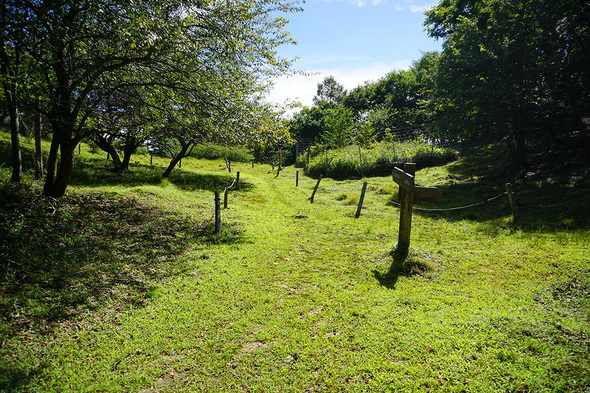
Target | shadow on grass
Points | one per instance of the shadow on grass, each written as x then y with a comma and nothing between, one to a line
549,202
99,173
403,264
62,258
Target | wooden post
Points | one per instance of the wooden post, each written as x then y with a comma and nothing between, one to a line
315,188
405,219
225,192
409,193
237,180
151,159
513,206
217,213
358,210
297,179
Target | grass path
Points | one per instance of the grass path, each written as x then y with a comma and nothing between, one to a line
305,304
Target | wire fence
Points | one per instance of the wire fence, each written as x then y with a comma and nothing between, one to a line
397,204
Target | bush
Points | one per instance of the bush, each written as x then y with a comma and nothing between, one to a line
376,160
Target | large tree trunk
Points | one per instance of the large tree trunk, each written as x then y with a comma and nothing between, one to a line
38,147
131,145
60,161
104,144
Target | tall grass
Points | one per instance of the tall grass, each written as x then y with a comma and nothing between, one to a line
376,160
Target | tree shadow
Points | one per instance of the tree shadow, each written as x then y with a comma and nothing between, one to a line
192,181
61,258
404,263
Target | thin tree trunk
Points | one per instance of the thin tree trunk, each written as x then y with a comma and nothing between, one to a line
176,159
17,172
38,147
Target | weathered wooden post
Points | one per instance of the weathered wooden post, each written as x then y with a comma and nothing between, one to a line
513,207
237,180
409,193
229,165
151,159
358,210
315,189
225,192
217,213
297,179
406,192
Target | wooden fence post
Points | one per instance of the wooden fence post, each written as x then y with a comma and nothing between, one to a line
297,179
217,213
237,180
315,188
513,207
358,210
151,159
225,192
405,219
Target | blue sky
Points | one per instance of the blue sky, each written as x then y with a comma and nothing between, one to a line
353,40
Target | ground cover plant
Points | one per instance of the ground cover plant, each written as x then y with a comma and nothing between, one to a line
297,296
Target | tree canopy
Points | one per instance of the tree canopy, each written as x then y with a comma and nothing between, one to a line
200,65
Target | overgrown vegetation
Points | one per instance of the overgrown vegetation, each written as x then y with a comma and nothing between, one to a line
375,160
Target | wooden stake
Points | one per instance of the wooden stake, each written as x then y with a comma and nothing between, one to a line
358,210
515,215
225,192
217,213
405,219
297,179
315,189
237,180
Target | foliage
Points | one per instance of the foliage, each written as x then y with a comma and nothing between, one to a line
510,69
377,159
215,152
194,69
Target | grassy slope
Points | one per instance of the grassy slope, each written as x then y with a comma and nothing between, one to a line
308,304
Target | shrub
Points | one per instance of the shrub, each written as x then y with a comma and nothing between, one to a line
375,160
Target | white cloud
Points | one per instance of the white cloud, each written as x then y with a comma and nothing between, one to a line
422,8
303,88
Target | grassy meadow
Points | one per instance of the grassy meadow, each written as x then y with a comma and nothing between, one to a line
122,286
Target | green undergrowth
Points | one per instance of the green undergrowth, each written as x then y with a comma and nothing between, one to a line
294,296
374,160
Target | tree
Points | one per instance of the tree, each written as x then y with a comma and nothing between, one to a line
10,74
510,68
329,91
83,50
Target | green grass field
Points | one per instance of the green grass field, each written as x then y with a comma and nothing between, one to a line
122,286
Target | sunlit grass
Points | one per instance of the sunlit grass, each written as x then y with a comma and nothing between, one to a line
300,296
